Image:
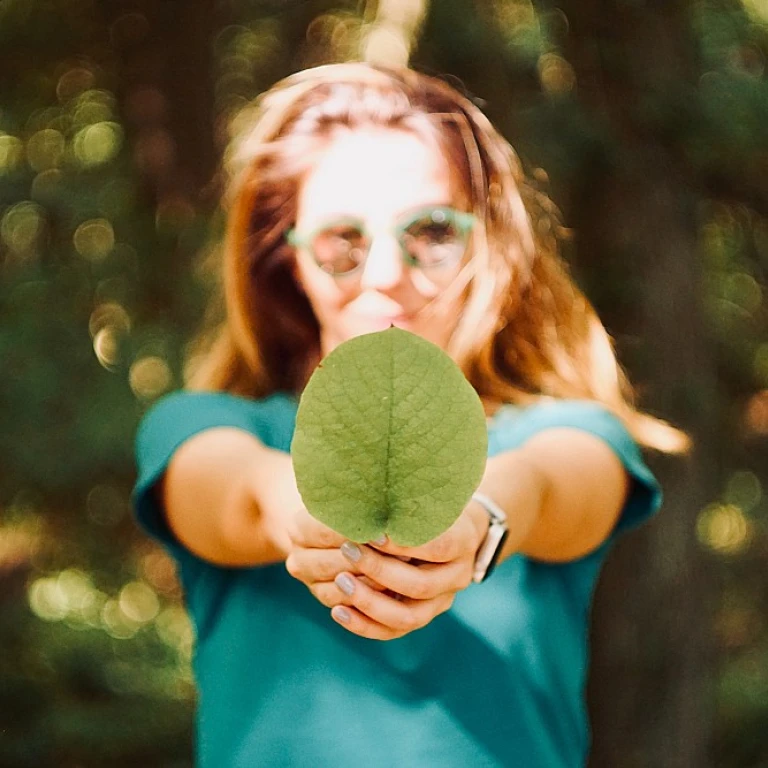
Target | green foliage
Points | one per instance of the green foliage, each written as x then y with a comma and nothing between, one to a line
390,438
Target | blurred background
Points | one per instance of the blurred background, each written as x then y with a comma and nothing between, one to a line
647,123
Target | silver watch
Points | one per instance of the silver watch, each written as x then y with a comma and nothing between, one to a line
490,549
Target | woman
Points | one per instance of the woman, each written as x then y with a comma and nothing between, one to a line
369,197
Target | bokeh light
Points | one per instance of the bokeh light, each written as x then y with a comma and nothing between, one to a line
116,622
11,153
758,9
139,602
20,541
45,149
22,226
160,571
46,186
68,595
556,74
92,112
756,413
74,82
46,600
150,377
98,144
175,629
94,239
106,346
744,290
724,528
109,315
71,596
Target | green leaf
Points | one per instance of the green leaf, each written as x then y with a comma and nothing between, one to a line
390,438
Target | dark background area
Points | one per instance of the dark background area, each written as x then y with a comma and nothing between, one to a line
650,119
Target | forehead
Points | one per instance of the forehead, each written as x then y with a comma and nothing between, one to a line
374,174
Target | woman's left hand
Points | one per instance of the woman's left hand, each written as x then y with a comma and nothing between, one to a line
422,581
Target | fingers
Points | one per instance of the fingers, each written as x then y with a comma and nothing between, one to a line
460,541
310,565
375,615
440,550
317,565
419,582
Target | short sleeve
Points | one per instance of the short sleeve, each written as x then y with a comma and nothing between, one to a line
178,417
645,496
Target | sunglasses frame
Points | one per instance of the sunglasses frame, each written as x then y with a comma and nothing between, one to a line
463,220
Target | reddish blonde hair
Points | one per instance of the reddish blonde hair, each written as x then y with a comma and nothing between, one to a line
526,331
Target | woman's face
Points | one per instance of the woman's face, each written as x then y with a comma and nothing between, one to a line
376,178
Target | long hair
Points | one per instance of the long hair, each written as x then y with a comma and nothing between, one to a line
526,330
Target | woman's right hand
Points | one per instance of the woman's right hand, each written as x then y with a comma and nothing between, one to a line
315,558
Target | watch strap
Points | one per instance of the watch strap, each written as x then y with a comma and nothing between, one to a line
490,549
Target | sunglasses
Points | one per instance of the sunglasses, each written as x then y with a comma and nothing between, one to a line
429,238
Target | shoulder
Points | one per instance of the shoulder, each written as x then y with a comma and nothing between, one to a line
513,426
180,415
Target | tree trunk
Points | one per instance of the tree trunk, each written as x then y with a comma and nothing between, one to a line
650,687
166,91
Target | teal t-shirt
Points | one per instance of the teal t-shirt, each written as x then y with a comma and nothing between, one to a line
497,681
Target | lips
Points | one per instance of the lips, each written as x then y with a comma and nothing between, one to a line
382,322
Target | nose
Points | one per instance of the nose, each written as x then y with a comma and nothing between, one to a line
384,266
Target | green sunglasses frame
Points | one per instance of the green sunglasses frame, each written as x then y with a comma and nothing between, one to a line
462,219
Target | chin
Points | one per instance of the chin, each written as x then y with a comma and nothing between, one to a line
362,326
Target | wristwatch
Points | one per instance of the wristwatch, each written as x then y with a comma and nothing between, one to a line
490,549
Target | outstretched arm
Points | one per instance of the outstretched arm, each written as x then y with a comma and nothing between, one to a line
227,496
562,491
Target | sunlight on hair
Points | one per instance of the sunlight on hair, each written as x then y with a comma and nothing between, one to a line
393,32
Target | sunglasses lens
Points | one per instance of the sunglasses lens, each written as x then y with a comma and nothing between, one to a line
434,239
340,249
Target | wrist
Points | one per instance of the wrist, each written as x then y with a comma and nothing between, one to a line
480,523
274,496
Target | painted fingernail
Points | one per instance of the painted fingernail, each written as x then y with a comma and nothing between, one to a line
351,551
341,614
345,583
381,541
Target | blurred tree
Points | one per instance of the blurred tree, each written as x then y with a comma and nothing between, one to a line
635,206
